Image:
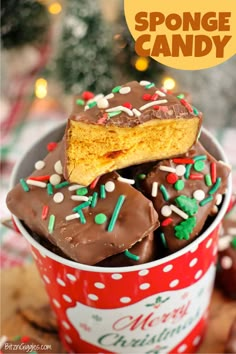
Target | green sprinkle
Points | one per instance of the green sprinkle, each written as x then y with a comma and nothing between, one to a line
163,239
62,184
80,102
206,200
195,111
116,89
199,165
92,104
82,206
94,200
50,189
188,205
233,242
141,176
208,180
187,172
181,96
82,191
116,211
149,86
24,185
82,217
179,185
102,191
100,218
215,186
185,228
17,338
113,114
131,255
164,192
51,223
199,157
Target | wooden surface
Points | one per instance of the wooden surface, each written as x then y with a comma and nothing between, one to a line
24,306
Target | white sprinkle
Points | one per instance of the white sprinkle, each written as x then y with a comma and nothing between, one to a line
72,216
124,90
103,103
39,165
178,211
136,112
126,180
55,179
150,104
144,83
180,170
81,198
36,183
226,262
58,197
75,186
166,210
120,108
199,194
110,186
95,98
154,189
160,93
58,167
86,108
109,96
167,168
219,198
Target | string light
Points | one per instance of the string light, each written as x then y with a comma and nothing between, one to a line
55,8
41,88
169,83
141,63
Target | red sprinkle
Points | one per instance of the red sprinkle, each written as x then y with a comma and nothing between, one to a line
45,212
40,178
154,97
127,105
213,172
94,183
51,146
87,95
171,178
184,161
166,222
24,339
147,97
187,105
156,107
196,176
103,119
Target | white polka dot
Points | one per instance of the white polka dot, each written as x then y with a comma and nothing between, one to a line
143,272
61,282
180,170
174,283
109,186
196,340
194,247
224,242
66,298
125,299
47,280
71,277
65,324
125,90
93,297
166,210
199,194
168,268
182,348
58,197
55,179
116,276
144,286
39,165
103,103
209,242
99,285
198,274
226,262
68,339
193,262
58,167
219,198
56,303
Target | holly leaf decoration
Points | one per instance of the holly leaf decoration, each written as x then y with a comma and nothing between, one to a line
188,205
184,229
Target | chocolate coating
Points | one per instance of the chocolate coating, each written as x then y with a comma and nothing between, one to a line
230,347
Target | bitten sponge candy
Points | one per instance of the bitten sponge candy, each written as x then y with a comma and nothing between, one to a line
135,123
184,191
88,224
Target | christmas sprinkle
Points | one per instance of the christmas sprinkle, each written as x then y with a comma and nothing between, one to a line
163,239
115,214
51,223
164,192
49,189
82,217
183,161
186,104
199,165
136,112
180,96
110,186
131,255
160,93
166,222
94,200
87,95
188,205
213,172
206,200
144,83
179,185
109,96
124,90
82,206
180,170
216,186
199,194
148,86
62,184
72,217
102,191
199,157
82,191
75,187
100,219
187,173
113,114
208,180
116,89
178,211
120,108
80,102
126,180
166,211
24,185
92,104
150,104
166,168
154,189
196,176
36,183
171,178
80,198
51,146
103,103
58,167
39,165
185,228
55,179
45,212
40,178
58,198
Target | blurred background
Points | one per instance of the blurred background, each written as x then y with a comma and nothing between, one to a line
52,49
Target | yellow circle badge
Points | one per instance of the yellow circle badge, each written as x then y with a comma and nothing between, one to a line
184,34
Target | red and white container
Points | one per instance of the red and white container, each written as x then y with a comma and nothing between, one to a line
157,307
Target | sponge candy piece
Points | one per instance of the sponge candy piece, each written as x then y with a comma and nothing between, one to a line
133,124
